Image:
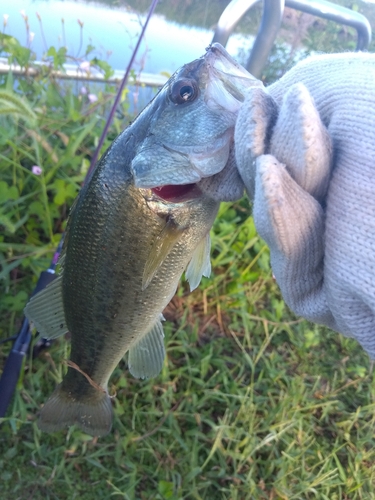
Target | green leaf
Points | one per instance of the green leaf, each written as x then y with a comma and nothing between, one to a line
8,268
64,191
37,208
18,302
17,53
89,49
104,66
58,56
7,223
8,192
165,488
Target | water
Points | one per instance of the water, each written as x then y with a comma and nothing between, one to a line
112,30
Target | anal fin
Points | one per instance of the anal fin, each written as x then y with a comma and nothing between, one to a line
45,310
200,264
146,357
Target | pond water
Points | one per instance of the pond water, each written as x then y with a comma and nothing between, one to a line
113,30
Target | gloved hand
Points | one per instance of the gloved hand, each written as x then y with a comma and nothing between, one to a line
305,149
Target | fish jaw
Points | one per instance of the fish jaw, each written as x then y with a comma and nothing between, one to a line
176,193
189,141
186,165
228,81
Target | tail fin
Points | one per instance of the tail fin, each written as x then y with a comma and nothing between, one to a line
92,414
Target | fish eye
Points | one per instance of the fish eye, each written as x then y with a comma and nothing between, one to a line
183,91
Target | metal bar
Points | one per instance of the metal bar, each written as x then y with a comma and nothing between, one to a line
72,72
270,24
229,19
342,15
265,38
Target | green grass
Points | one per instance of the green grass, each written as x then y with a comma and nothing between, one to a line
252,403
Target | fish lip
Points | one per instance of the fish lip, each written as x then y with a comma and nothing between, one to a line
234,78
223,62
223,56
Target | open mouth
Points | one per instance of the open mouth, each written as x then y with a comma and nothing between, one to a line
176,194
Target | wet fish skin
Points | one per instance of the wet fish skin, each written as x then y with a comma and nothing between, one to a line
97,281
126,247
105,280
105,307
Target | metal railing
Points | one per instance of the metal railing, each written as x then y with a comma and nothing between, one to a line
74,72
271,20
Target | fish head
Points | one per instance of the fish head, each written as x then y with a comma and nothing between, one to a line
191,122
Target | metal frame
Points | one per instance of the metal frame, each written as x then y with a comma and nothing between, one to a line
73,72
271,21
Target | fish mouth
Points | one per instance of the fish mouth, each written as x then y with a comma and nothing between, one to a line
229,81
176,193
163,162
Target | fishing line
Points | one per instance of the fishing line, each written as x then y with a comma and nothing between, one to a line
121,88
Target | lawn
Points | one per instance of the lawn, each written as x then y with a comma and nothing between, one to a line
252,402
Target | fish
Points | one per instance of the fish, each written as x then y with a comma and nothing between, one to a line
137,224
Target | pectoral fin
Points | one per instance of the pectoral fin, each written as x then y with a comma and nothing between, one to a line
46,311
163,244
200,264
146,357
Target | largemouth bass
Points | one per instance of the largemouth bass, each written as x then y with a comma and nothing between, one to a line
139,221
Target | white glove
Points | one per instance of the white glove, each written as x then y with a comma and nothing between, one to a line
305,149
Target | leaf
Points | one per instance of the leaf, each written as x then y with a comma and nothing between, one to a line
104,66
8,192
58,56
8,268
37,208
12,46
7,223
64,191
17,302
89,49
165,488
22,55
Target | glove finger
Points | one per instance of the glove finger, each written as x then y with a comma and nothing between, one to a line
302,142
292,224
252,133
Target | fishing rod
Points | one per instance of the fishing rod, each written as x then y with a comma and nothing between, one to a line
13,364
22,340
